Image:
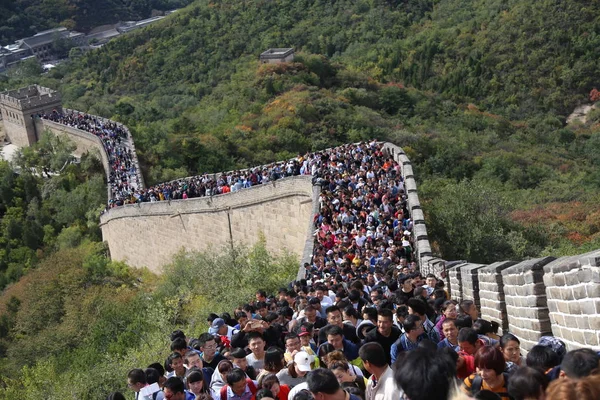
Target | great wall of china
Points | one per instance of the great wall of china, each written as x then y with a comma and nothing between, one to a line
531,298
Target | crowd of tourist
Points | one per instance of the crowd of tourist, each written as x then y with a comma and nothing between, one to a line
364,324
123,179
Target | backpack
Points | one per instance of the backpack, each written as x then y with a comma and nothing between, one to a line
478,382
251,386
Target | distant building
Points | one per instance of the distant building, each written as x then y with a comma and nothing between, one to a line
276,56
42,44
17,108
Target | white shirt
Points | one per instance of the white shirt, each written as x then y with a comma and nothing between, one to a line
385,389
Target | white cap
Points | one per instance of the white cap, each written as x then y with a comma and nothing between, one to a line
405,243
303,361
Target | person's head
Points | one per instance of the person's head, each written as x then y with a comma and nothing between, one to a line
271,382
370,313
256,343
341,370
174,389
116,396
310,312
176,361
261,295
334,316
413,326
490,363
450,330
467,340
373,356
224,367
385,319
322,383
208,346
579,363
542,358
238,358
402,313
264,394
484,327
305,333
426,375
179,345
152,376
274,361
351,314
511,348
195,381
527,384
406,283
236,379
416,307
587,388
193,360
136,379
463,321
448,309
469,308
335,337
431,280
321,291
292,343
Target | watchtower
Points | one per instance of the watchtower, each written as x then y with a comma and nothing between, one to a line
277,55
18,108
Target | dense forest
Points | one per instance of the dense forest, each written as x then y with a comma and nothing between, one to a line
23,18
477,93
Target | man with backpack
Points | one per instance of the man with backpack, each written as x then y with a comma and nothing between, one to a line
239,386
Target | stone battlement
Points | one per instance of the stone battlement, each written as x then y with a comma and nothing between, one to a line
29,98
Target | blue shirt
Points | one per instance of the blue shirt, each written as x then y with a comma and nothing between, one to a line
446,343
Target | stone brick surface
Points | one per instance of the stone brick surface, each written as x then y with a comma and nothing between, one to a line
525,299
491,293
281,211
573,294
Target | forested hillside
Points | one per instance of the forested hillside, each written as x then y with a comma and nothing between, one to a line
476,92
22,18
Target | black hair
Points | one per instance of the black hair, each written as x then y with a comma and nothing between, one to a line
580,363
486,395
426,375
205,337
175,384
137,375
386,312
371,312
483,327
177,334
467,335
542,357
254,335
152,376
417,306
351,311
178,344
402,311
373,353
116,396
322,380
464,321
303,394
527,383
158,367
508,337
411,322
174,356
332,309
264,393
334,330
235,375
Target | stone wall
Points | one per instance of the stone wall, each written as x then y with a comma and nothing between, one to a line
573,293
280,211
85,141
470,282
491,293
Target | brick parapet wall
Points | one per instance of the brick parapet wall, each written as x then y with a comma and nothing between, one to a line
491,293
526,305
573,293
470,282
156,231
